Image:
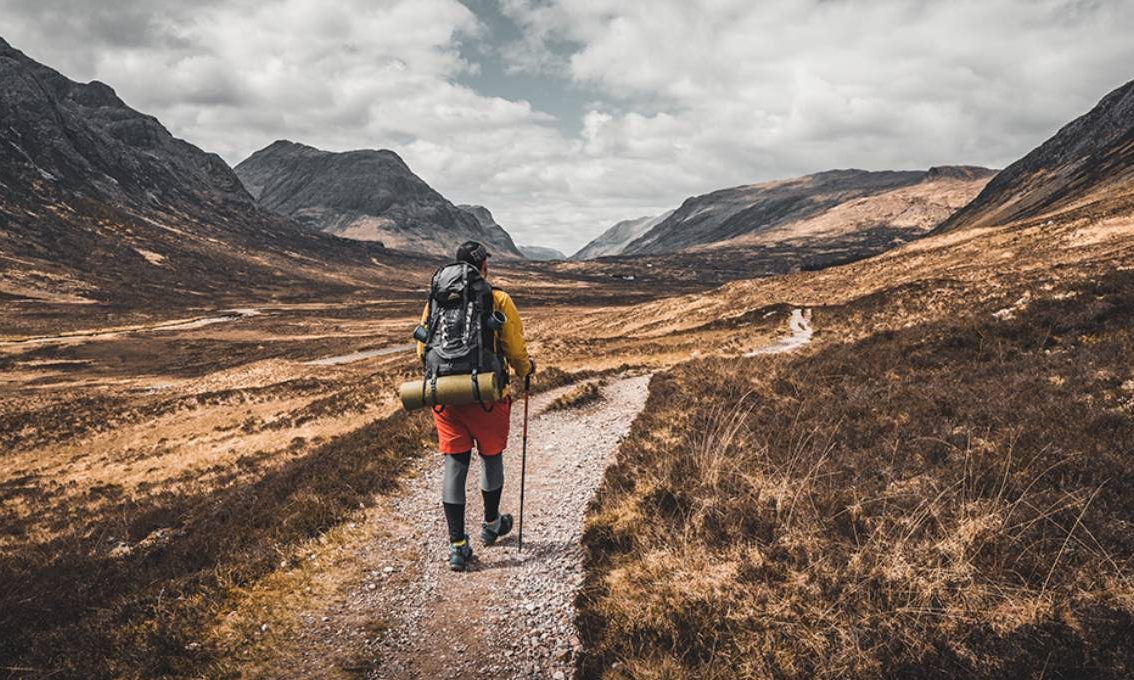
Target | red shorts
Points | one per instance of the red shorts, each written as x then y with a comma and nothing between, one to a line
459,426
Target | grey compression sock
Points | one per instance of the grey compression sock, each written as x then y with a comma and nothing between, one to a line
491,485
453,479
491,472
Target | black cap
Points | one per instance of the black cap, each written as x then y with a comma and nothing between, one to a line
473,253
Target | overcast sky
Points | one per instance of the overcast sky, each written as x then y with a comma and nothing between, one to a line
563,118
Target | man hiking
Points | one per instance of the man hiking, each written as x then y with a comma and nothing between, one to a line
472,328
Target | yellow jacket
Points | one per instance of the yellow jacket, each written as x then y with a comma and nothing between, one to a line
510,337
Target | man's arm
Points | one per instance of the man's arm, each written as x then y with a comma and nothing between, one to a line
512,336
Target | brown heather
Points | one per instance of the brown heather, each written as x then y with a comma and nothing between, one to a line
948,500
68,606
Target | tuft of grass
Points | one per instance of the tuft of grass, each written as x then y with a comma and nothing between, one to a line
577,397
948,500
553,377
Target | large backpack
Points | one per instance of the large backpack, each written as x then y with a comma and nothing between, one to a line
461,331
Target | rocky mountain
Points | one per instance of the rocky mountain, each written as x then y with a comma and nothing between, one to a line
75,138
99,202
899,201
1087,167
497,234
484,216
541,253
366,195
614,240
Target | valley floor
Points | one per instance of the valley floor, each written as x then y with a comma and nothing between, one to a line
236,495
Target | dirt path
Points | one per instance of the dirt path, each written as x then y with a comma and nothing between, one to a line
512,615
383,603
800,334
193,323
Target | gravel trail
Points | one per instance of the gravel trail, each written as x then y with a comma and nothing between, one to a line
511,615
800,332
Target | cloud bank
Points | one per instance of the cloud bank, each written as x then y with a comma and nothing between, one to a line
681,97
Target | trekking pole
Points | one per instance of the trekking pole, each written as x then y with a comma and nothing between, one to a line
524,457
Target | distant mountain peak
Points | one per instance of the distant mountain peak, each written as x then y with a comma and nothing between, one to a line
542,253
615,239
488,222
364,194
754,209
288,144
961,172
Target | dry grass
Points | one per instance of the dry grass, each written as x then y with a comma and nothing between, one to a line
952,500
70,608
577,397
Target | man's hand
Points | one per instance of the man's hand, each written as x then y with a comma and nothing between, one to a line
528,377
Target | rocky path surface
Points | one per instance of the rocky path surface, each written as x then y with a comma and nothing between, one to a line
511,615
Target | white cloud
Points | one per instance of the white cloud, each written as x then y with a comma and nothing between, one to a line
687,96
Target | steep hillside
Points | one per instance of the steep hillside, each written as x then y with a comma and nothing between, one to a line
614,240
1087,166
753,211
801,237
99,202
367,195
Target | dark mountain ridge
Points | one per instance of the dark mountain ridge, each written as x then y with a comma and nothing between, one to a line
744,211
1088,163
365,194
496,232
84,139
99,202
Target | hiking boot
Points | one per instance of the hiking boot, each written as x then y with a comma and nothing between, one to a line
460,554
490,531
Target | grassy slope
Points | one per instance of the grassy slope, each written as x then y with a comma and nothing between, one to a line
69,607
951,499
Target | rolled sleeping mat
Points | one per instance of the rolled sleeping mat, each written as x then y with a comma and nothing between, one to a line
452,390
